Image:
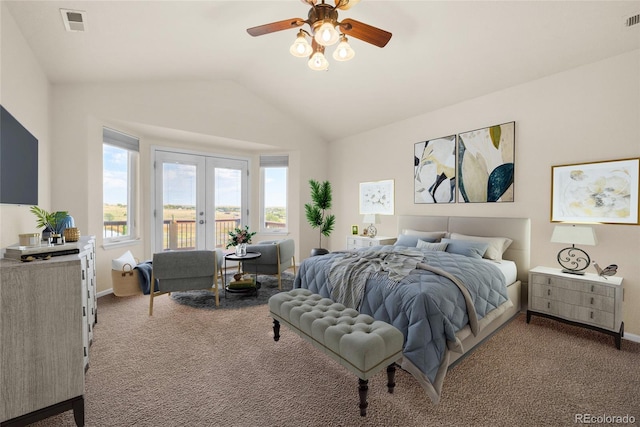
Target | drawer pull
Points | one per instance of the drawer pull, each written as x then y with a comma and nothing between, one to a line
591,314
548,291
548,304
591,300
593,288
548,280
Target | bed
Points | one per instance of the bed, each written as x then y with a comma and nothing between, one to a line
445,302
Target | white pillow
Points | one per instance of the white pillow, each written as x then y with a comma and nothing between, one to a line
432,246
497,245
430,234
126,258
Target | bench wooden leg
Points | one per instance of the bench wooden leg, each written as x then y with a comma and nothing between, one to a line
391,377
276,330
363,389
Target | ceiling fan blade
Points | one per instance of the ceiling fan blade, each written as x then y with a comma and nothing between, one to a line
345,4
275,26
365,32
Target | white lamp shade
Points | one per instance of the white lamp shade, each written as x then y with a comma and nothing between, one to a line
318,62
301,48
575,235
343,52
326,34
371,219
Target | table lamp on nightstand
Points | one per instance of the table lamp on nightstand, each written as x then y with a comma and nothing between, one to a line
372,219
573,260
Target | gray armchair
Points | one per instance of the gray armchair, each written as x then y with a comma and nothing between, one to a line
277,256
177,271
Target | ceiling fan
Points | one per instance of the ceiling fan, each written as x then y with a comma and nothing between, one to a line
326,30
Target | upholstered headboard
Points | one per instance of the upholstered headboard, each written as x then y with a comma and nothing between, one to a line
517,229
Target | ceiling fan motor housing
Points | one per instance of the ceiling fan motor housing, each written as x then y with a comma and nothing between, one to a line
320,13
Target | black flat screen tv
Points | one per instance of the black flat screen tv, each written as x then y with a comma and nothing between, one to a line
18,162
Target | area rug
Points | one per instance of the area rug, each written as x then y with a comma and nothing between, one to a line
206,300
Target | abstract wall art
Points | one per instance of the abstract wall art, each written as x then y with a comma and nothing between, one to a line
434,174
377,197
605,192
486,164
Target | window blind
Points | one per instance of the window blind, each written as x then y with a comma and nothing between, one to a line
119,139
274,161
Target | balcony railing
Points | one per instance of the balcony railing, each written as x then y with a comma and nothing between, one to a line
181,234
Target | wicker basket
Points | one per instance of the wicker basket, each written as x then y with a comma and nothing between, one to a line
71,234
125,283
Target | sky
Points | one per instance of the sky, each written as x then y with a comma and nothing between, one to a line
180,182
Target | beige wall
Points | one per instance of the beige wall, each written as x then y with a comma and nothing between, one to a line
587,114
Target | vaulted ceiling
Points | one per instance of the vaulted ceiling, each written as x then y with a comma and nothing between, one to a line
441,52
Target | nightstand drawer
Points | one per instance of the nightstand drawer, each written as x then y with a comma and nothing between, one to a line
572,312
571,284
568,296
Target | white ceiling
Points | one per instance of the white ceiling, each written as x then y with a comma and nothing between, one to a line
441,52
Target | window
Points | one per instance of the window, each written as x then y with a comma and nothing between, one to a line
119,169
273,197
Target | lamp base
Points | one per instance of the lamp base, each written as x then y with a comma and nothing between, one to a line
579,273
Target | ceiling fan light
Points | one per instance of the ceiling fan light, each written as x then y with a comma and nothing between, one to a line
300,48
318,62
343,52
326,34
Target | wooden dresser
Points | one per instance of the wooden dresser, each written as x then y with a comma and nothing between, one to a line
587,300
47,315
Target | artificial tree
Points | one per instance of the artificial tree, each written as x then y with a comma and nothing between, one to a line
316,212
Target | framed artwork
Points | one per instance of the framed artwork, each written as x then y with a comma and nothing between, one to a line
486,164
605,192
434,176
377,197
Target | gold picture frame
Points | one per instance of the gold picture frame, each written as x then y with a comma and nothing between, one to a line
599,192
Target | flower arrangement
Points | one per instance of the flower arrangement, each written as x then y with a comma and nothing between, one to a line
240,235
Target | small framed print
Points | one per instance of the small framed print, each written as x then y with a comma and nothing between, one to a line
377,197
354,230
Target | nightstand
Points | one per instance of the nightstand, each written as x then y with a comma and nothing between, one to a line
588,300
357,242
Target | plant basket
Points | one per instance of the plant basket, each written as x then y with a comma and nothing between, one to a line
125,282
71,234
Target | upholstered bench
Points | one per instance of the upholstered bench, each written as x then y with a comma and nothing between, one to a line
358,342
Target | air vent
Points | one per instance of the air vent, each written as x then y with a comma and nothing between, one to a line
632,20
74,20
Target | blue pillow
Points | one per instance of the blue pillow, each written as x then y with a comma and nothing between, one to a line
411,241
466,247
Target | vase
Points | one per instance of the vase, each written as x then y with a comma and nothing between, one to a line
241,249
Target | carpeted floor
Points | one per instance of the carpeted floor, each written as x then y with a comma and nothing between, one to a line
192,367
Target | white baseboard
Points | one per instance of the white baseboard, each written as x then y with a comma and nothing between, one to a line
631,337
103,293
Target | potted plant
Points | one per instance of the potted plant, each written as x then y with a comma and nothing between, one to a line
316,212
53,223
239,238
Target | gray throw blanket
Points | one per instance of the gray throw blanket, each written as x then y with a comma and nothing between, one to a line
348,274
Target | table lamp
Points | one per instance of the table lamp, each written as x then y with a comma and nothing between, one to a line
372,219
573,260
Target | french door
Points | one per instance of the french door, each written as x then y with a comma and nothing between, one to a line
197,200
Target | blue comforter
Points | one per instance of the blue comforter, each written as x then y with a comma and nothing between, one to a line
427,307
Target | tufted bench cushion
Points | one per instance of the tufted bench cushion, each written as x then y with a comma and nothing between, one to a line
357,341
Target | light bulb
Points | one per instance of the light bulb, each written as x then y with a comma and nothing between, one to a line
343,52
326,34
300,48
318,62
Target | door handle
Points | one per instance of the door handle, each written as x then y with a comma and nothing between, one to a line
202,221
